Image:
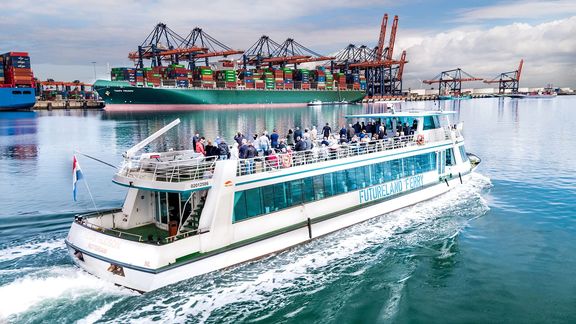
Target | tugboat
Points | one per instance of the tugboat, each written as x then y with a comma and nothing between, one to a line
186,215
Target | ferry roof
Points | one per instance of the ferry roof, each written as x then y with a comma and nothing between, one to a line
412,113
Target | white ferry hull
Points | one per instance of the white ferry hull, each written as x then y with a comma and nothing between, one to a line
144,279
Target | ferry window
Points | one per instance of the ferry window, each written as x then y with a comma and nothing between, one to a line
430,122
16,92
329,187
463,153
280,196
351,181
239,206
27,92
268,199
253,202
162,210
308,189
318,187
296,192
340,182
450,157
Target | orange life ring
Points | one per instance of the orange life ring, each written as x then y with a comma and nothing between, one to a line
420,139
286,161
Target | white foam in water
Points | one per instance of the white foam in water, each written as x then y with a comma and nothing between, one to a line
26,249
51,283
308,268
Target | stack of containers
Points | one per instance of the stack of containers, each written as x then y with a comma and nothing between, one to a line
130,75
117,74
17,70
204,77
139,78
329,80
249,79
288,78
258,82
278,78
1,71
353,81
362,82
179,73
230,78
340,80
269,79
303,78
152,78
320,76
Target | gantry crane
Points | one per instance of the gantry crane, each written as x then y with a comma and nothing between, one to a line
451,81
200,39
508,80
162,44
267,51
381,70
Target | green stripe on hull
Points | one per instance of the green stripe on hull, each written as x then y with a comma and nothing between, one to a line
123,93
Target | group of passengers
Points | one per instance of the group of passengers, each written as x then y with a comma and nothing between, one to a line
299,146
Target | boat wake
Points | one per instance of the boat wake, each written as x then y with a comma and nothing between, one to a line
58,292
284,286
302,282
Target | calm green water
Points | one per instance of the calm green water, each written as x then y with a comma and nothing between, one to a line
500,249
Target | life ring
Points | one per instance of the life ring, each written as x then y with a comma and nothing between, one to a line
286,161
420,139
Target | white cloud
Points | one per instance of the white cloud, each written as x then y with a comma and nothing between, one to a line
548,50
519,9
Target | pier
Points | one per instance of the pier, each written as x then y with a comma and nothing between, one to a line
68,104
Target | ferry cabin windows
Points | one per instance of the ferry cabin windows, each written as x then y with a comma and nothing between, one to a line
267,199
463,153
450,159
431,122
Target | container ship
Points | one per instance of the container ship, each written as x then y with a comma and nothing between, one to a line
16,82
175,87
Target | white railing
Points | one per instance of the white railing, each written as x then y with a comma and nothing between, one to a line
170,167
320,154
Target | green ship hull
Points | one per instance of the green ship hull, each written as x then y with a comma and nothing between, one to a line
121,96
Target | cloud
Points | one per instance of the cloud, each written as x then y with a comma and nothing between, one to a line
548,51
518,10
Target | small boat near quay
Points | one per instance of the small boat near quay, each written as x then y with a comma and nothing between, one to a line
186,215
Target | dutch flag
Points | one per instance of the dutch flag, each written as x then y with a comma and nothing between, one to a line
76,175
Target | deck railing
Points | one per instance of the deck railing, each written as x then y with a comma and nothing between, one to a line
172,168
180,166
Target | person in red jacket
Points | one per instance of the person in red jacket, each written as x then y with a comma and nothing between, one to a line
200,146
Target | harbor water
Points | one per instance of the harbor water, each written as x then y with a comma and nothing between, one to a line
499,249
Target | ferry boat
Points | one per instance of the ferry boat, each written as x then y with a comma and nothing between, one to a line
186,215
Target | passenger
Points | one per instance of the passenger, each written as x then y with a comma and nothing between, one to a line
407,130
350,132
211,150
363,127
234,152
243,151
342,131
414,126
382,133
298,133
195,139
357,128
281,145
343,140
200,146
256,142
323,152
250,155
363,134
223,150
264,142
272,160
286,157
300,145
238,138
326,130
325,141
314,133
290,138
274,139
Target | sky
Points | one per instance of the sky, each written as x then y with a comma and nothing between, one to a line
483,38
